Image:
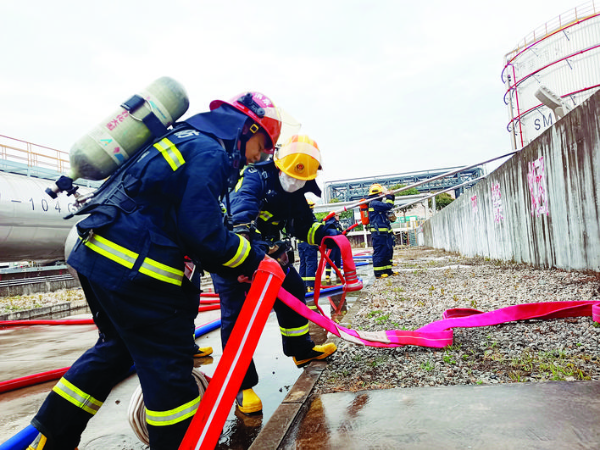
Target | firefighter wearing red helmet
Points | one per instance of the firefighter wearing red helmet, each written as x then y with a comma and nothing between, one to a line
260,108
130,261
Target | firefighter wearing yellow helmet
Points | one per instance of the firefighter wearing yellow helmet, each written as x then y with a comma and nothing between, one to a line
299,160
380,227
375,188
268,206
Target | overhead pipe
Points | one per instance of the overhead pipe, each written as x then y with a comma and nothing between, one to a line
406,205
419,183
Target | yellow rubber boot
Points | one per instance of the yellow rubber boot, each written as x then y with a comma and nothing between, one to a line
317,352
39,443
201,352
248,402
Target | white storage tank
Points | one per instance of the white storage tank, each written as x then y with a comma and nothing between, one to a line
562,55
32,226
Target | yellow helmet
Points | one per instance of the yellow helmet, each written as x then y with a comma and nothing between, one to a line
375,189
299,158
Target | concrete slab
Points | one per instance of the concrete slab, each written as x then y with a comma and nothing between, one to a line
556,415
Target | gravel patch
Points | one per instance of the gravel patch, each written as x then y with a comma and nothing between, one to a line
431,281
32,301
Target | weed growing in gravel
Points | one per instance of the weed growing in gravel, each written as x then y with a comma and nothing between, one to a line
428,366
379,361
383,319
553,365
448,359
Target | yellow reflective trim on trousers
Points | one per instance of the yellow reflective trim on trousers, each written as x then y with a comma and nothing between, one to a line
310,238
171,153
172,416
76,396
161,271
291,332
241,254
305,279
265,215
110,250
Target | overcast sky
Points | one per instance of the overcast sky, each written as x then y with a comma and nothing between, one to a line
383,86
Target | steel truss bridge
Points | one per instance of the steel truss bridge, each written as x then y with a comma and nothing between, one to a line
358,188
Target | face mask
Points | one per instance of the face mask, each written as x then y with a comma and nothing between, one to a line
290,184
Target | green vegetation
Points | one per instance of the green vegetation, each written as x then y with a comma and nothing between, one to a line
441,201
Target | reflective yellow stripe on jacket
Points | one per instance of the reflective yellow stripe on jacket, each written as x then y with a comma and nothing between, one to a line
127,258
310,238
171,153
76,396
241,254
172,416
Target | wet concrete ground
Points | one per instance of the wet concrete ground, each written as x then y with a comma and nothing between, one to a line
29,350
554,415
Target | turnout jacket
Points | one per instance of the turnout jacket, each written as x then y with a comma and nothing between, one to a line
378,210
261,208
175,186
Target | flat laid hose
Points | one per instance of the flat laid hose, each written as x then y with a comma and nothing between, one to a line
136,412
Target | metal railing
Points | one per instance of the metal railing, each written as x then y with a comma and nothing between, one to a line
33,155
576,14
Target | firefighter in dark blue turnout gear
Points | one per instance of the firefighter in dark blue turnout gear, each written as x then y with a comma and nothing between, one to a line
335,255
270,198
381,231
130,261
309,260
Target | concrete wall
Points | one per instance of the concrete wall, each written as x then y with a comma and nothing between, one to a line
540,207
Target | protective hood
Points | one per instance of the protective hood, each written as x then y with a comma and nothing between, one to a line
222,123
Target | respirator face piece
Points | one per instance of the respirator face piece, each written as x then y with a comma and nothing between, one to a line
290,184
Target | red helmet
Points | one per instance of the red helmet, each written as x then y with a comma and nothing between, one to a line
259,108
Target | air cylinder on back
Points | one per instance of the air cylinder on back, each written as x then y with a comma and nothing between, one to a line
122,133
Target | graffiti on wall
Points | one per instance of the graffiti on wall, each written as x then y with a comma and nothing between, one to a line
474,204
537,187
497,203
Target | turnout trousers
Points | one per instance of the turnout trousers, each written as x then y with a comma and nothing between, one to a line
308,255
294,328
382,253
158,343
391,252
